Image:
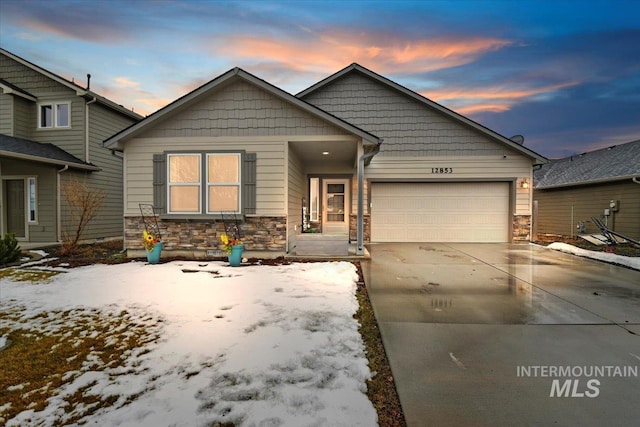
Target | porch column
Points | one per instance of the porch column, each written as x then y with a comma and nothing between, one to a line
360,219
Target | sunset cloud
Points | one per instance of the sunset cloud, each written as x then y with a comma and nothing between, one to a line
562,79
382,52
126,83
494,99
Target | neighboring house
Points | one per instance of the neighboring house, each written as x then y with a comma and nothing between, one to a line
317,162
604,184
51,131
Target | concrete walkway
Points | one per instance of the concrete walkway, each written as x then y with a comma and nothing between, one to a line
473,333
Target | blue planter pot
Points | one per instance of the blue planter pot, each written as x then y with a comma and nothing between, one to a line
235,257
153,256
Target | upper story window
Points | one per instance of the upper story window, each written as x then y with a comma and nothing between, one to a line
54,115
218,189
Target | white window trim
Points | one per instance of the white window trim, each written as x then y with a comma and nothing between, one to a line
225,184
35,199
54,115
314,199
184,184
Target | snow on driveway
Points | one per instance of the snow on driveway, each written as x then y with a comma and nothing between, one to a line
255,345
631,262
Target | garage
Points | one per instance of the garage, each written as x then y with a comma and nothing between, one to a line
440,212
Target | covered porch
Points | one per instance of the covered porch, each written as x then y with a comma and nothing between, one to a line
325,196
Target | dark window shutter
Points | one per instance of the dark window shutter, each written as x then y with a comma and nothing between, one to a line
249,183
159,183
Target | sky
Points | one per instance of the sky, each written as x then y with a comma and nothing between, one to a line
565,74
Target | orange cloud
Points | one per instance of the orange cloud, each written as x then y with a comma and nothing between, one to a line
126,83
482,108
330,52
494,99
499,92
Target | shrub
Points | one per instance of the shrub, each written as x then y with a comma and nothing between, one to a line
9,249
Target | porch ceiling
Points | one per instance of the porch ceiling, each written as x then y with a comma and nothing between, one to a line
342,152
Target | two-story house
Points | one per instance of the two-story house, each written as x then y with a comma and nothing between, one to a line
51,132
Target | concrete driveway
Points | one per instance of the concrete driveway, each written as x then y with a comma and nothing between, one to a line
499,334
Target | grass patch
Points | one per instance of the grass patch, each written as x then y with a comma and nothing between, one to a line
381,389
26,275
49,350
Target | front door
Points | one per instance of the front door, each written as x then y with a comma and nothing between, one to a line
335,206
15,211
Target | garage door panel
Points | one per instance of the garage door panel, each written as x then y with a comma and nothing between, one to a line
440,212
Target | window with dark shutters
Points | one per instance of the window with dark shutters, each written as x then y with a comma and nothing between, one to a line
248,183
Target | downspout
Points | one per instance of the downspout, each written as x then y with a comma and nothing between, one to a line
86,128
59,202
360,219
635,179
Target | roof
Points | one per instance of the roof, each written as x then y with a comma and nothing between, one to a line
116,141
26,149
357,68
614,163
80,91
11,88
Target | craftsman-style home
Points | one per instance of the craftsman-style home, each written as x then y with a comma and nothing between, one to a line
355,158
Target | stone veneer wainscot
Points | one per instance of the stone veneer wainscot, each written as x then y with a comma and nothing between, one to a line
257,234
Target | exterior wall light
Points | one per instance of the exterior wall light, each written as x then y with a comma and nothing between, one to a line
524,184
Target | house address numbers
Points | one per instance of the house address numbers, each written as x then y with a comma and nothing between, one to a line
441,170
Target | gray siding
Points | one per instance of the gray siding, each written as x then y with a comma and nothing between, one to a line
6,114
560,210
103,122
270,168
69,139
296,186
30,80
418,138
24,122
241,110
409,128
45,228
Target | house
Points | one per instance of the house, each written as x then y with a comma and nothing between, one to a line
355,158
51,131
604,184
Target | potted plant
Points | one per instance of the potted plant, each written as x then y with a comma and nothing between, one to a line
234,248
152,246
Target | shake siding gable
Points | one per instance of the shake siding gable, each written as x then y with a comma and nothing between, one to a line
241,109
409,128
29,79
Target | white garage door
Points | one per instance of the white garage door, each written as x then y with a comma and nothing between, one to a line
440,212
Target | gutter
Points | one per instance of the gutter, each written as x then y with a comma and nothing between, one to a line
13,154
360,220
59,202
86,128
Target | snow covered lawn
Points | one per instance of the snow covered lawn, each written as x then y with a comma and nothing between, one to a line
195,343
